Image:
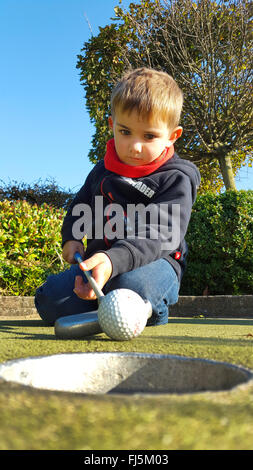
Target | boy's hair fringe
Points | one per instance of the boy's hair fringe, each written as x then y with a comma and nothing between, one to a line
153,93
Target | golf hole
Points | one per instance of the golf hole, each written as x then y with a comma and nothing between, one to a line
101,373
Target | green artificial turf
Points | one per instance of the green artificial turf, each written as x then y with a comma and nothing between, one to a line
36,419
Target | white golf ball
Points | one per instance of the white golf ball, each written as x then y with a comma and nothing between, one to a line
122,314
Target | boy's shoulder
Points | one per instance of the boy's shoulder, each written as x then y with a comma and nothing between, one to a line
97,170
184,166
177,166
98,167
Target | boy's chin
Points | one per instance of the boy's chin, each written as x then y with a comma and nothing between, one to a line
132,161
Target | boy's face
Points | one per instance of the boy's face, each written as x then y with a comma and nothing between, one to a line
139,141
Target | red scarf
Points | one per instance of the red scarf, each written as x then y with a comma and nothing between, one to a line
113,163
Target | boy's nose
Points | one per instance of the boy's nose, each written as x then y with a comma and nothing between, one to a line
136,147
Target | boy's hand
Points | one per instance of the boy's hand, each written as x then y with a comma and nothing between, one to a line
70,248
101,267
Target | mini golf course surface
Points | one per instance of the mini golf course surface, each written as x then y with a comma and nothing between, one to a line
33,419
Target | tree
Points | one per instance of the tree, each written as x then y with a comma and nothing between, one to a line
100,66
207,47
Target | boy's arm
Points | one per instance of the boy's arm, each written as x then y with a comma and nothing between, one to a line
129,254
71,241
82,197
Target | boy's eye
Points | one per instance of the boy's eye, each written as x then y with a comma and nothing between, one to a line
150,136
124,132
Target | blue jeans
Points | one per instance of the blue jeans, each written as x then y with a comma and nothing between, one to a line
156,282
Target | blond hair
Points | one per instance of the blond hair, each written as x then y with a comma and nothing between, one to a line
154,94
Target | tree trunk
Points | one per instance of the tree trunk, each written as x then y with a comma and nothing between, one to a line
227,172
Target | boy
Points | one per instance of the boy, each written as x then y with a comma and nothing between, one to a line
140,167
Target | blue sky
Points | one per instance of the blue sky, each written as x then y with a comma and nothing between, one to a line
45,130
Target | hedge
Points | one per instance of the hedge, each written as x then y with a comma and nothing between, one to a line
37,193
220,240
30,246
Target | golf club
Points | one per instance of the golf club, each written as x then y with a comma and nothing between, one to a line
80,324
90,279
86,324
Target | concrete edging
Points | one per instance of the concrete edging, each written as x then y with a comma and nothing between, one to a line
227,306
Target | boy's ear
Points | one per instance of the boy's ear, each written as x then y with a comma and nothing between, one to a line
110,122
177,132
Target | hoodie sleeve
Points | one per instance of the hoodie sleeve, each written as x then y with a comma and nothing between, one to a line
169,216
68,226
80,206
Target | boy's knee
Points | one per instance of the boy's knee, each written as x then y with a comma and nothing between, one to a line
45,306
128,281
50,296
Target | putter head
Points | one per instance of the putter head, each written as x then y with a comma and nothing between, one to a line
77,326
84,324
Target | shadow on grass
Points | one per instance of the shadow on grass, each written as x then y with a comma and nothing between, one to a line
242,340
196,321
41,336
4,323
10,327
